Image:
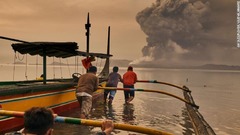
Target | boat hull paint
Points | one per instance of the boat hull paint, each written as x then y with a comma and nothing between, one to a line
58,101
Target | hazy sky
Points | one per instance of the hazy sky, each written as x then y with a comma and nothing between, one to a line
64,20
190,32
163,31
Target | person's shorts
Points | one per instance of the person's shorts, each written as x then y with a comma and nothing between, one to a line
85,104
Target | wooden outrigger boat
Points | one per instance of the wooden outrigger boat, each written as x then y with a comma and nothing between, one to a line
201,127
58,94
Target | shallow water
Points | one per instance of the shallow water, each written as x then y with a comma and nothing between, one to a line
216,92
143,111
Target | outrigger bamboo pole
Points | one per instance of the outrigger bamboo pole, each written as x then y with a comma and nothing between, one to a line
94,123
165,83
17,40
146,90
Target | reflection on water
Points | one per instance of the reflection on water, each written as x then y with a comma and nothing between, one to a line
148,113
128,114
70,129
187,125
109,112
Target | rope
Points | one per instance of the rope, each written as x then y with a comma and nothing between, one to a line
19,57
100,66
83,69
97,62
75,65
53,69
68,68
36,66
60,67
26,68
14,62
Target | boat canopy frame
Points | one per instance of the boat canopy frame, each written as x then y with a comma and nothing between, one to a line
54,49
51,49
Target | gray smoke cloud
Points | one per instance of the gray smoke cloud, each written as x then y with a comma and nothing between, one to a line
184,32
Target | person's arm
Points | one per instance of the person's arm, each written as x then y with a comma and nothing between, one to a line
120,78
135,78
96,85
107,127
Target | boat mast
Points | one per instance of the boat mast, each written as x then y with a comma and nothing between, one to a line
108,52
105,70
87,27
108,44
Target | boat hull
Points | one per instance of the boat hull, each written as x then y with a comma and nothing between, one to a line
59,100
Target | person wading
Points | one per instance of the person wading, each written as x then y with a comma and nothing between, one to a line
87,84
129,79
112,81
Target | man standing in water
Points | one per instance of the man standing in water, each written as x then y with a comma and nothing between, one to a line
113,79
87,84
129,79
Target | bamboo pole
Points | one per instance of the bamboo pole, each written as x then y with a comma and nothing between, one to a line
154,91
94,123
165,83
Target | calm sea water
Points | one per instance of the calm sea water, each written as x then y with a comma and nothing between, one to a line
216,92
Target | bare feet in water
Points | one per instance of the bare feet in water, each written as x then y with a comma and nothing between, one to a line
129,99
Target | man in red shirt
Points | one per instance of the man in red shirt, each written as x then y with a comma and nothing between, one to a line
129,79
87,62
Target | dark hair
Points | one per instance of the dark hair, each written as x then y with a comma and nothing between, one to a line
92,58
130,68
92,69
115,69
38,120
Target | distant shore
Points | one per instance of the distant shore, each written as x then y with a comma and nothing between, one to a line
126,63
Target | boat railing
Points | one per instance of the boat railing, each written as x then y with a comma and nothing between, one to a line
201,127
35,81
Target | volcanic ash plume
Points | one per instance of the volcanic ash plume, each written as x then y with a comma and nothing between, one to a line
175,31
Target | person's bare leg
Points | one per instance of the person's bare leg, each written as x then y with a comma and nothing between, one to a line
130,99
82,116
